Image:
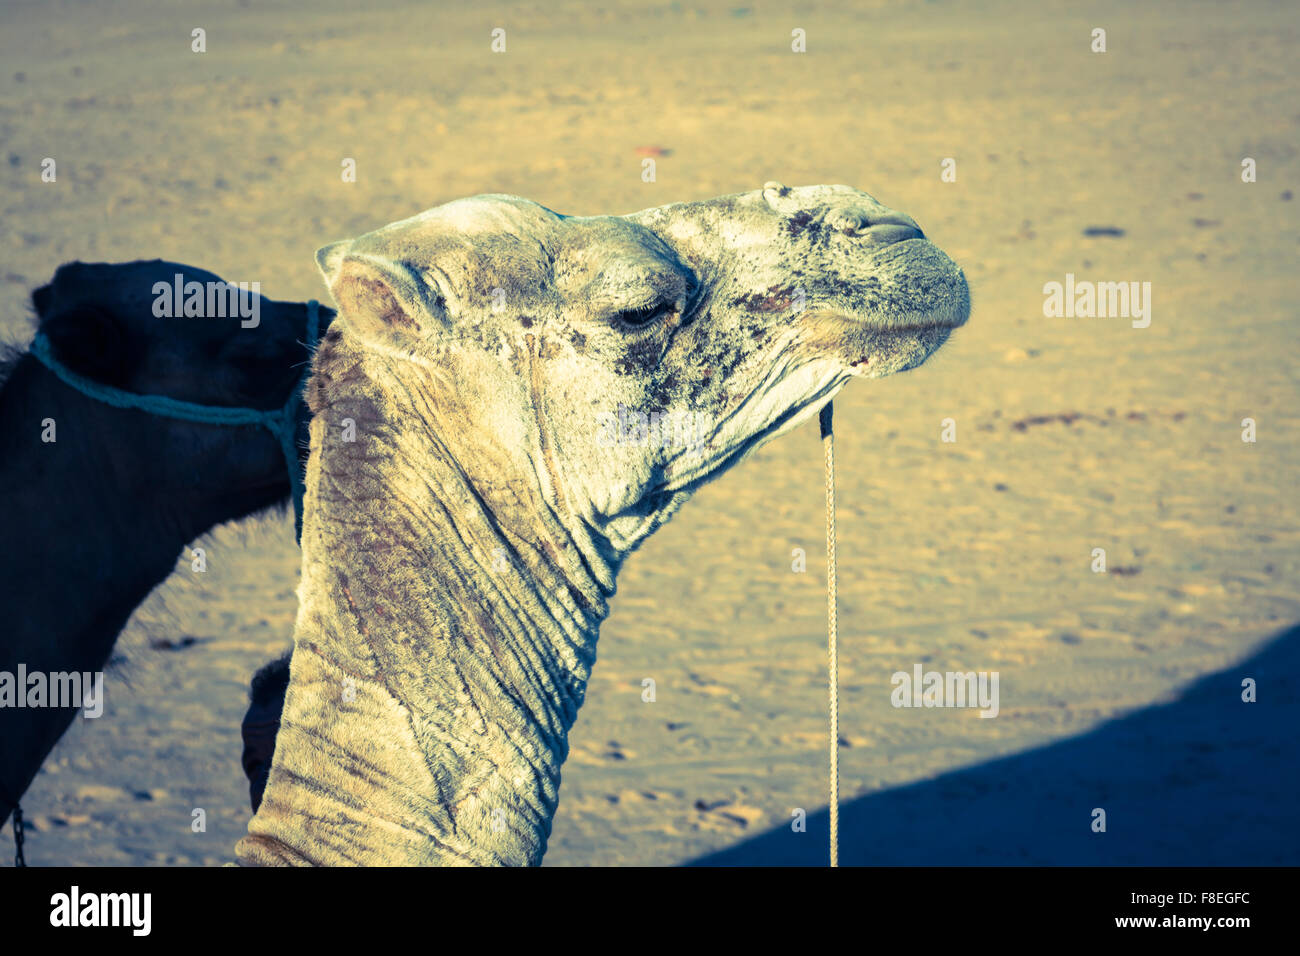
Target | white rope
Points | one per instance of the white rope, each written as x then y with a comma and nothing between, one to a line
832,631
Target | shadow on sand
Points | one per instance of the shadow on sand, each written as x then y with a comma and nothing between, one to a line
1206,780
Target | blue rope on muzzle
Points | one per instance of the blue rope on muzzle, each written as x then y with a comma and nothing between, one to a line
280,422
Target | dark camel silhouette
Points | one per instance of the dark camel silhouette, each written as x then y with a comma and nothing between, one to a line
97,518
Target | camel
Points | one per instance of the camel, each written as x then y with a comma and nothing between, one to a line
460,548
97,517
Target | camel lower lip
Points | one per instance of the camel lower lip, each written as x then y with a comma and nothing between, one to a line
900,350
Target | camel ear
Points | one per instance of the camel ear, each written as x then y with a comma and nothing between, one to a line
42,298
329,258
380,297
91,342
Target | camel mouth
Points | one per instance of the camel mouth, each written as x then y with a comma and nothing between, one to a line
899,351
923,299
938,295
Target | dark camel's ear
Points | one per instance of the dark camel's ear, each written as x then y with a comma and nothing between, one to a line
42,298
91,342
383,299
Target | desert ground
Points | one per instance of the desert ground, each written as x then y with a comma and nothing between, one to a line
1119,690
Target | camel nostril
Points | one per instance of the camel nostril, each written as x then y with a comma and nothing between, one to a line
886,227
886,232
896,226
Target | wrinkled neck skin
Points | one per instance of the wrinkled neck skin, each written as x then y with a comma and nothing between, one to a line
446,632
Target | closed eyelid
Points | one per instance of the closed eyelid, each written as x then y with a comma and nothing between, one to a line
636,294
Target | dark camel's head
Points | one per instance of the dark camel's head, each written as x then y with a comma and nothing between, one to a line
136,327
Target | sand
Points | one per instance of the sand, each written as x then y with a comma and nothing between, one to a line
1118,690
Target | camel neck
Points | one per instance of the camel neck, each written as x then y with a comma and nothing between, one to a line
444,641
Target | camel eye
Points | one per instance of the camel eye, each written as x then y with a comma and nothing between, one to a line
637,319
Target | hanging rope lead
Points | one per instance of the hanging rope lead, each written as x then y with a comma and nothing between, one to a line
832,631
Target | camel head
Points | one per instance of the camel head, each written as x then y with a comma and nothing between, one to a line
625,360
108,323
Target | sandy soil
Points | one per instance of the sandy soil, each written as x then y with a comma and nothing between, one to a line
1118,690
